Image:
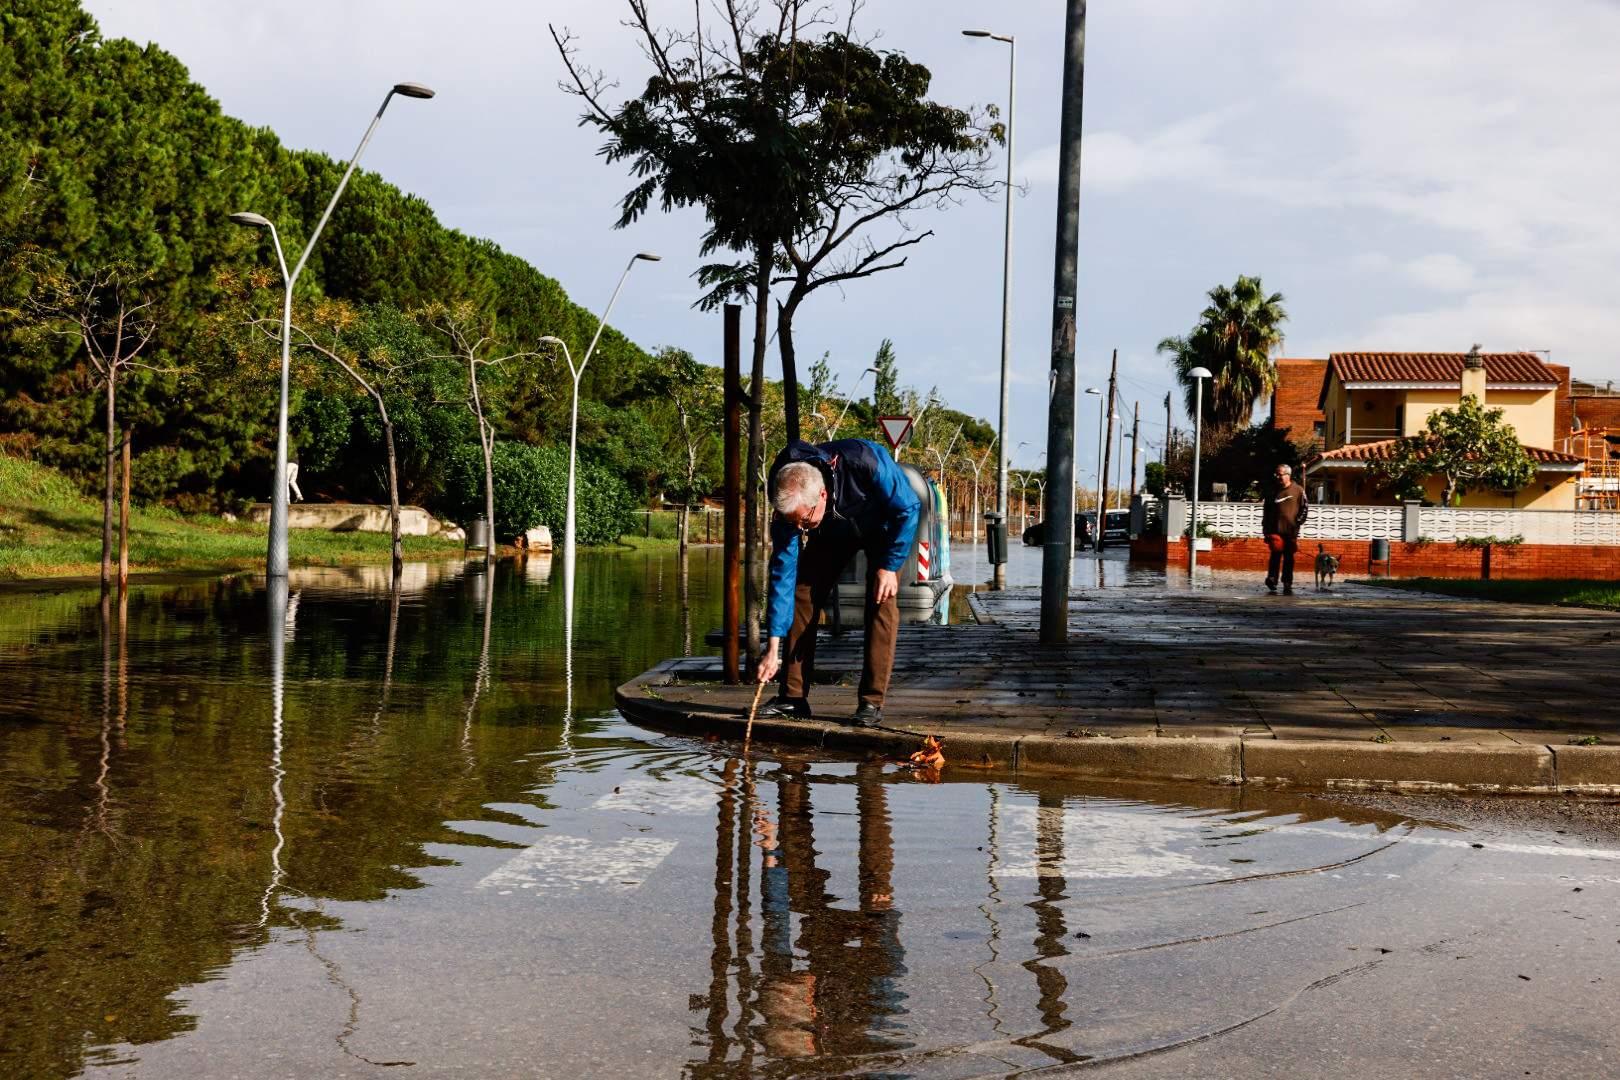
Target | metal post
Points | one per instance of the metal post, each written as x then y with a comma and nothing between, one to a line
1136,444
732,533
1198,448
999,578
1107,446
1057,562
1096,539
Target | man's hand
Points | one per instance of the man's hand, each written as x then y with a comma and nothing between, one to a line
770,663
888,586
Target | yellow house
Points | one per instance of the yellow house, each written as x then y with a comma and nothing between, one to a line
1369,400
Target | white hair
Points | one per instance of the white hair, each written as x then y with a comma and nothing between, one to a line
798,486
1289,469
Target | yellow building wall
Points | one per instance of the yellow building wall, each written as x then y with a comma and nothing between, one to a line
1548,491
1333,414
1529,412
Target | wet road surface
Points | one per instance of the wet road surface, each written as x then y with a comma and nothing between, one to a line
436,852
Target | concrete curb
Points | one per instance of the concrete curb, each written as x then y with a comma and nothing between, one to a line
1326,763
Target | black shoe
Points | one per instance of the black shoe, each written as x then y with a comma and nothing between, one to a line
1288,590
868,715
1271,587
787,708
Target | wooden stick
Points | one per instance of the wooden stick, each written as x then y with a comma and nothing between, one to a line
749,733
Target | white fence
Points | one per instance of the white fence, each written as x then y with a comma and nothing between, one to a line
1536,526
1338,522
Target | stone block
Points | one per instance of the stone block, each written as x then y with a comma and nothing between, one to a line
1593,767
1136,758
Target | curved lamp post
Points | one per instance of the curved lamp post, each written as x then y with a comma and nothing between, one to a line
1000,578
573,423
276,558
833,434
1198,374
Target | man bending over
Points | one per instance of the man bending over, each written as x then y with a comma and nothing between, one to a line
832,500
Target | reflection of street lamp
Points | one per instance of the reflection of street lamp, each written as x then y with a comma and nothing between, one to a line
1006,275
1198,374
833,434
276,557
573,424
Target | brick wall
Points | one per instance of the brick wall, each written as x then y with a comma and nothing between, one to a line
1598,563
1299,385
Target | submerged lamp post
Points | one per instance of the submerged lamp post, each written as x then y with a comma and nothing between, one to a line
276,558
1198,374
1000,572
573,423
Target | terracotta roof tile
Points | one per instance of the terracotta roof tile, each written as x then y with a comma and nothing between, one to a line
1438,367
1383,448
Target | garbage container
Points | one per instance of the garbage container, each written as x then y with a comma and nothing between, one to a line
478,533
1377,553
995,537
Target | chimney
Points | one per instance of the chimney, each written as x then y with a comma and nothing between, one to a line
1473,375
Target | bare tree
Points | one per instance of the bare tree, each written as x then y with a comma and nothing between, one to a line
111,314
470,334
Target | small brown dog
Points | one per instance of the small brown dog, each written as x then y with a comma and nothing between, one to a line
1326,567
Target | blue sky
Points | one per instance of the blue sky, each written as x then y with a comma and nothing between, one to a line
1409,176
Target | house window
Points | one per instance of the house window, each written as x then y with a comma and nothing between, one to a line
1316,431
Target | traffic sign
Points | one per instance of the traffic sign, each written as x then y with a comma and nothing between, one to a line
897,429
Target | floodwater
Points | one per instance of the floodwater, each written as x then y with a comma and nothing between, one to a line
348,832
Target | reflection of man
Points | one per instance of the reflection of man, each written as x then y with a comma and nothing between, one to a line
832,501
1285,512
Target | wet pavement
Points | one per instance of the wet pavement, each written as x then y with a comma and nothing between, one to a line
362,834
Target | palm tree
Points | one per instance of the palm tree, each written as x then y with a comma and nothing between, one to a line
1235,338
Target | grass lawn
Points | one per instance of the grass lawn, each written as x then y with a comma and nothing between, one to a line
48,528
1571,591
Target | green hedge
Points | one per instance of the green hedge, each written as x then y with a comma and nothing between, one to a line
531,488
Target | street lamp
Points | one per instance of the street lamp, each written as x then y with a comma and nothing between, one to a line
1000,580
833,434
573,422
1198,375
276,557
1096,539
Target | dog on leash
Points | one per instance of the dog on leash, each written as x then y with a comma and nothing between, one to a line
1326,567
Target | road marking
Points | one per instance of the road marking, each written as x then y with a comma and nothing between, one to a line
577,862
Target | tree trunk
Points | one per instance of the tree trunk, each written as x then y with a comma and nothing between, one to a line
488,440
107,494
790,366
393,491
753,556
123,518
683,523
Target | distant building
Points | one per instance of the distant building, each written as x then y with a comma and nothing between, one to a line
1365,401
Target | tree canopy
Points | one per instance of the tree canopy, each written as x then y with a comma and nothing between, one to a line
1469,447
1236,336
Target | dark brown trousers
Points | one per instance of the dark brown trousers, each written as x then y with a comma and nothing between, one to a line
1282,563
821,560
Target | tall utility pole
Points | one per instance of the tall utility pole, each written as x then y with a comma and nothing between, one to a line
1057,555
1108,449
1169,433
1136,445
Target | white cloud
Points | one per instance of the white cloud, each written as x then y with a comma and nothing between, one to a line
1440,272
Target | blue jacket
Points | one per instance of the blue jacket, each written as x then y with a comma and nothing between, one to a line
866,492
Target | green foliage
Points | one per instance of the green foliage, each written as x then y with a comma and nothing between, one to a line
1153,478
1469,446
886,399
1490,541
1236,335
1246,461
110,155
531,488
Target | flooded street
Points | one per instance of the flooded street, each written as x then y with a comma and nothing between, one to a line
353,833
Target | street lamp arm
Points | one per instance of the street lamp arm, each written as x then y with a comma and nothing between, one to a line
354,161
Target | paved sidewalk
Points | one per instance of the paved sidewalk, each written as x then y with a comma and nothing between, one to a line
1373,688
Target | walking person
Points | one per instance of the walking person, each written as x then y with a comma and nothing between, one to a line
1285,513
832,500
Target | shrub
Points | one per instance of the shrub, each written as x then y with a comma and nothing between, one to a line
531,486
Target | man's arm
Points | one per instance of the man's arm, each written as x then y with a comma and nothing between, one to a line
1304,508
779,597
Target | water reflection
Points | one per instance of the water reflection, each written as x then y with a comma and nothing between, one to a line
229,831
